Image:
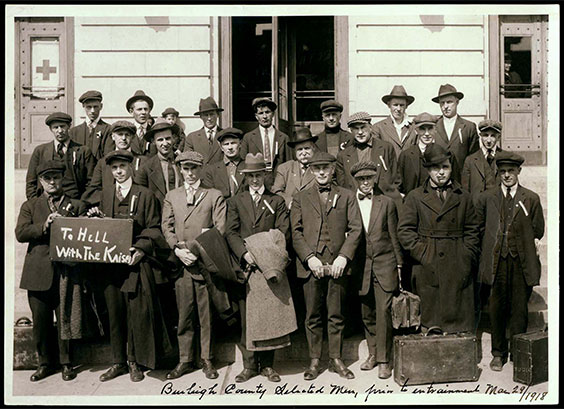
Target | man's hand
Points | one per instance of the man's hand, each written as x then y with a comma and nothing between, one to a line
50,219
137,255
94,212
188,258
338,266
314,264
537,244
249,259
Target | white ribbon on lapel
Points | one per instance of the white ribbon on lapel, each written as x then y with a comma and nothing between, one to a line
523,207
460,135
335,198
383,163
132,205
74,157
198,199
269,207
276,149
234,180
137,163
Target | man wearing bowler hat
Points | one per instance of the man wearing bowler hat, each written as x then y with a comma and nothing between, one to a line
204,140
139,107
93,132
78,159
333,139
397,128
457,135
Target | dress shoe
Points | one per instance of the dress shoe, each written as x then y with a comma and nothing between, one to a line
384,370
180,369
337,365
135,373
497,363
68,372
42,372
114,371
245,375
312,372
369,364
270,373
209,370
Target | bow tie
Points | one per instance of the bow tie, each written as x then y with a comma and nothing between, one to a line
325,188
362,196
362,145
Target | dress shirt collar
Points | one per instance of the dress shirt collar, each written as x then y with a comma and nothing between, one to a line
65,145
234,161
513,190
450,121
125,186
406,121
263,130
435,186
207,131
485,151
164,158
94,123
422,147
193,186
138,125
254,192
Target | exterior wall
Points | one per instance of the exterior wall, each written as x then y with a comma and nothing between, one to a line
173,59
421,53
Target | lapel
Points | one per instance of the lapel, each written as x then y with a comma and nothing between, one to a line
257,140
351,155
457,131
239,176
481,163
519,198
156,174
374,212
391,130
43,210
248,204
50,151
452,200
214,147
313,197
201,143
276,149
498,198
441,131
98,139
266,196
307,178
198,198
108,199
332,199
431,200
220,170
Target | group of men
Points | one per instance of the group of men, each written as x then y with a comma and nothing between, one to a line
427,202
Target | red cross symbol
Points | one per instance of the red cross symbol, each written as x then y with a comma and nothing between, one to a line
46,70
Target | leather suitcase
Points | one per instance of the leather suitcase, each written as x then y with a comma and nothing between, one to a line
530,357
406,312
423,359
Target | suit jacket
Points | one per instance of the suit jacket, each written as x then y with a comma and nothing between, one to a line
79,161
146,148
100,143
151,175
464,141
343,221
477,175
215,176
526,226
386,131
345,138
37,273
289,180
243,221
410,168
198,141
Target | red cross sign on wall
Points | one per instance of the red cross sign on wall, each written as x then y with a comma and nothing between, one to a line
46,70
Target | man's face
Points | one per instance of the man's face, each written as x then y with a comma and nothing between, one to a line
140,111
397,108
440,174
332,119
489,138
52,183
264,116
60,130
92,107
122,138
255,179
323,172
426,133
509,174
231,147
191,172
448,105
361,131
209,118
170,118
507,66
304,152
163,142
121,170
366,183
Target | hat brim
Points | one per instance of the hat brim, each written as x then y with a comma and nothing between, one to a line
292,144
489,127
52,170
408,98
209,110
122,158
508,162
150,134
271,104
359,121
118,128
332,109
191,162
83,100
436,161
131,100
458,95
425,123
322,162
250,170
365,172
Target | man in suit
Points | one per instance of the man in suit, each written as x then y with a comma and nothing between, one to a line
139,107
204,140
513,223
457,135
40,276
189,211
333,139
479,172
93,132
251,211
295,175
326,230
397,128
266,139
226,175
179,138
78,159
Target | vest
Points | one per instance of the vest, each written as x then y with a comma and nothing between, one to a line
508,245
324,238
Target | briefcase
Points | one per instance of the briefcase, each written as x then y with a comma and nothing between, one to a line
530,357
422,359
406,311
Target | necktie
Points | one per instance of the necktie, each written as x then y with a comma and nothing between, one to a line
508,195
490,157
267,153
141,132
52,206
119,194
362,196
60,151
190,196
210,136
256,198
324,188
91,128
441,192
171,175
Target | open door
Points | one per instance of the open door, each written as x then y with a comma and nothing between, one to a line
280,76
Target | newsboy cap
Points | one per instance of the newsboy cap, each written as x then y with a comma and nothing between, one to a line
508,157
366,168
139,95
119,154
116,126
53,165
435,154
490,124
264,101
160,125
58,116
170,110
359,117
229,133
425,118
90,95
193,157
446,90
331,105
321,158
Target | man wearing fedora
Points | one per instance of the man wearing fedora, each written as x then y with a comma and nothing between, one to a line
93,132
457,135
333,138
189,211
266,139
439,228
204,140
251,211
139,107
396,129
226,175
179,138
326,230
78,159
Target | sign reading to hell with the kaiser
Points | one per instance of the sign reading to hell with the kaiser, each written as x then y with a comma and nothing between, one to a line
95,240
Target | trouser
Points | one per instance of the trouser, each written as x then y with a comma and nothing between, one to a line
508,304
117,313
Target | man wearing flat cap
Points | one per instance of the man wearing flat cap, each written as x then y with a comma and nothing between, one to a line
78,159
326,230
189,211
479,172
454,133
333,138
204,140
512,218
139,107
266,139
179,138
439,228
397,128
226,175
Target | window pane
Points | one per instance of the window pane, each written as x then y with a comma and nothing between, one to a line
44,67
517,67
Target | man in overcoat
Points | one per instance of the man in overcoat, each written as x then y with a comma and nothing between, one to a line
139,107
204,140
333,139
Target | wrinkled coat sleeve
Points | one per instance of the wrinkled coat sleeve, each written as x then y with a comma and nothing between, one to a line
340,170
141,177
537,217
94,188
282,222
474,139
465,178
31,180
151,215
393,230
219,213
279,185
167,223
26,230
471,229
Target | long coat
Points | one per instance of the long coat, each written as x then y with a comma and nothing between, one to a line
477,175
343,222
526,226
151,176
386,131
345,138
289,180
444,239
215,175
99,143
198,141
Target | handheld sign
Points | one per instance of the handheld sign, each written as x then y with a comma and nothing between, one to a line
91,240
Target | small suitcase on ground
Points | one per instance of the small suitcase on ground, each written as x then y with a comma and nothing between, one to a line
530,357
423,359
406,312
